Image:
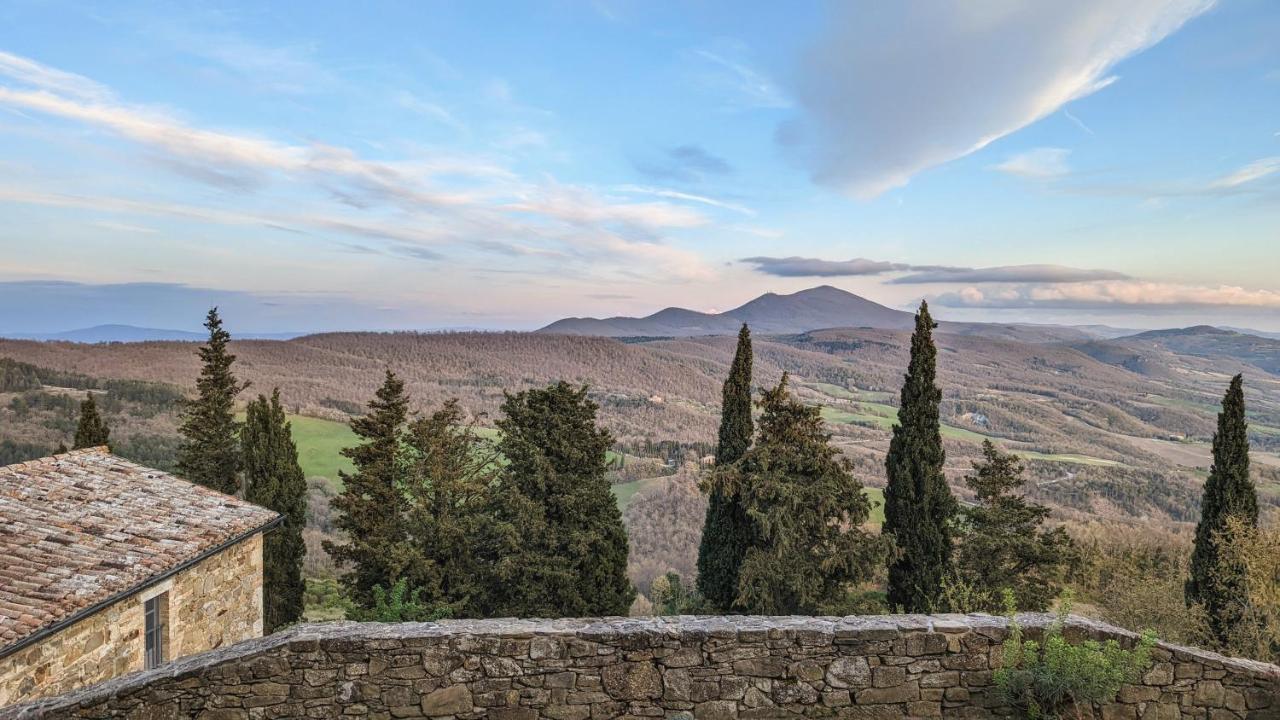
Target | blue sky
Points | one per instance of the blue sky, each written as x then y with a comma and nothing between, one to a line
500,165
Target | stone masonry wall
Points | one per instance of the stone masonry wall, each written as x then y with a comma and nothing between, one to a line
875,668
215,603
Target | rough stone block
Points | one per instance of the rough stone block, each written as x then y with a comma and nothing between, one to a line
905,692
453,700
632,681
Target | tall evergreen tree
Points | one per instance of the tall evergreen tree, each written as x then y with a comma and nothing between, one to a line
449,491
371,505
1228,493
92,431
273,479
807,511
210,450
918,505
1004,544
569,556
726,530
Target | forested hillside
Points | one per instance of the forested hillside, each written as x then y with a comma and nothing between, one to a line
1108,428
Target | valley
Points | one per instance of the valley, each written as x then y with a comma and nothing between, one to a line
1114,428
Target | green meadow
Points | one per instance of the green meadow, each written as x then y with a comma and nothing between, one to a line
319,444
884,416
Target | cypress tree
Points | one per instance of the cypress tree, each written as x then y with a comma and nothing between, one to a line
273,479
1216,583
726,530
371,506
807,511
210,451
1004,544
918,505
92,431
569,557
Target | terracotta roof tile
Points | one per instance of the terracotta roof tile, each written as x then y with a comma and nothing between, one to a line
79,528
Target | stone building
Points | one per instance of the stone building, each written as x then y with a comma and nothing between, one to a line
107,567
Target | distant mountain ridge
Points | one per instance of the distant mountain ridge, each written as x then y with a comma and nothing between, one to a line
771,313
133,333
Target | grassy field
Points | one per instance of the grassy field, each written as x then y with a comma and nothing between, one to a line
1065,458
877,501
884,416
318,444
624,492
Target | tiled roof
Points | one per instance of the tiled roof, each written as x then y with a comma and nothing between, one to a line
82,527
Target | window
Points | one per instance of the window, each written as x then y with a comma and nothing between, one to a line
156,636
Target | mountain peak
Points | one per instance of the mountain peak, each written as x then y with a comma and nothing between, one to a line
813,308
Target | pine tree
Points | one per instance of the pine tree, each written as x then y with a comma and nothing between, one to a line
918,505
448,489
1004,544
726,531
274,480
92,430
1228,493
210,451
371,506
567,553
807,510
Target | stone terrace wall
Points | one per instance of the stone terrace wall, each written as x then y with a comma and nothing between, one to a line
708,668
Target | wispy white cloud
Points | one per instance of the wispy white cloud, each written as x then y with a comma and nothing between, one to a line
750,87
1246,179
426,108
878,108
290,70
52,79
1249,173
795,266
493,205
1131,294
686,197
1010,274
579,206
1037,164
1078,122
125,227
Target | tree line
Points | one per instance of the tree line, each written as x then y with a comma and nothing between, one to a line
436,520
782,529
439,520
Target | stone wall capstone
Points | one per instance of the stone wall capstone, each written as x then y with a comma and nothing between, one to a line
706,668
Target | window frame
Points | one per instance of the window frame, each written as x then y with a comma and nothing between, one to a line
155,630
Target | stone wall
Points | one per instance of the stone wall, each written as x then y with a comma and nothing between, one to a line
706,668
214,603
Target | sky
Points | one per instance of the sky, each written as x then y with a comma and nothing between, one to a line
501,165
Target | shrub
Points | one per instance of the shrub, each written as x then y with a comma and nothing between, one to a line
401,604
1254,553
1048,678
672,597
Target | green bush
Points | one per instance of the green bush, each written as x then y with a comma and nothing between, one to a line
1048,678
401,604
